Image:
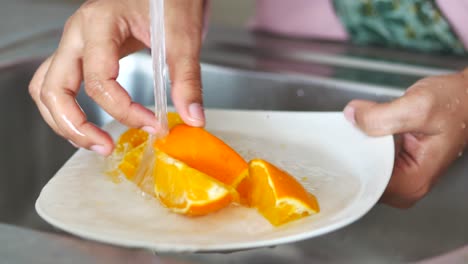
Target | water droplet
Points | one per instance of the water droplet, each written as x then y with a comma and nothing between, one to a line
145,195
447,106
300,92
466,91
457,101
463,125
460,153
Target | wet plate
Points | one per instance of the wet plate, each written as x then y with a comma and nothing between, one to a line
345,169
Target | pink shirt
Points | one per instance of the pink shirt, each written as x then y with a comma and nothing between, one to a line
293,18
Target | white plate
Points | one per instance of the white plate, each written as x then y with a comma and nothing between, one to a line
345,169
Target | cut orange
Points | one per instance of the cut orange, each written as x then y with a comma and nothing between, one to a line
278,196
196,173
173,119
134,137
131,144
186,190
204,152
130,139
131,161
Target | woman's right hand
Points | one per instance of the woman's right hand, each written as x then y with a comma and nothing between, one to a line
95,37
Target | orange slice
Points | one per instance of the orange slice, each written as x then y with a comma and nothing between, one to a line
134,137
173,119
130,139
278,196
131,161
204,152
186,190
131,144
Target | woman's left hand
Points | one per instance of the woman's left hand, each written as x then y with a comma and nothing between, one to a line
430,123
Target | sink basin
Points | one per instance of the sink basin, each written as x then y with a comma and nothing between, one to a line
32,153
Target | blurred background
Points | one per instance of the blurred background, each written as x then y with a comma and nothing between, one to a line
239,68
20,18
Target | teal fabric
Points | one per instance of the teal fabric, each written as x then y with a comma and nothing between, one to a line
411,24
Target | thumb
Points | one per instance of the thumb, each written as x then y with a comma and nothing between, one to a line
184,22
399,116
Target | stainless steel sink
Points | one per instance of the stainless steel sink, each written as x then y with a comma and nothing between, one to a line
32,153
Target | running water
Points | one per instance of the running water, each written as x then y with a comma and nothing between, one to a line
158,54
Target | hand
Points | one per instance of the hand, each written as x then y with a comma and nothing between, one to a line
94,39
430,121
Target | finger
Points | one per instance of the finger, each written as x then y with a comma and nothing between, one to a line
130,46
187,91
101,68
184,26
406,185
409,113
398,144
35,91
416,169
58,95
61,85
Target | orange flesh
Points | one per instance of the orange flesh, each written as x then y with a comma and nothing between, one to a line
130,139
173,119
186,190
277,195
244,190
131,142
131,160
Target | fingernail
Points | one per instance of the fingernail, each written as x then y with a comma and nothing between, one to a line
101,150
73,144
149,129
196,112
349,112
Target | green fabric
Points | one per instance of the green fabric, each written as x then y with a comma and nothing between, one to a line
412,24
